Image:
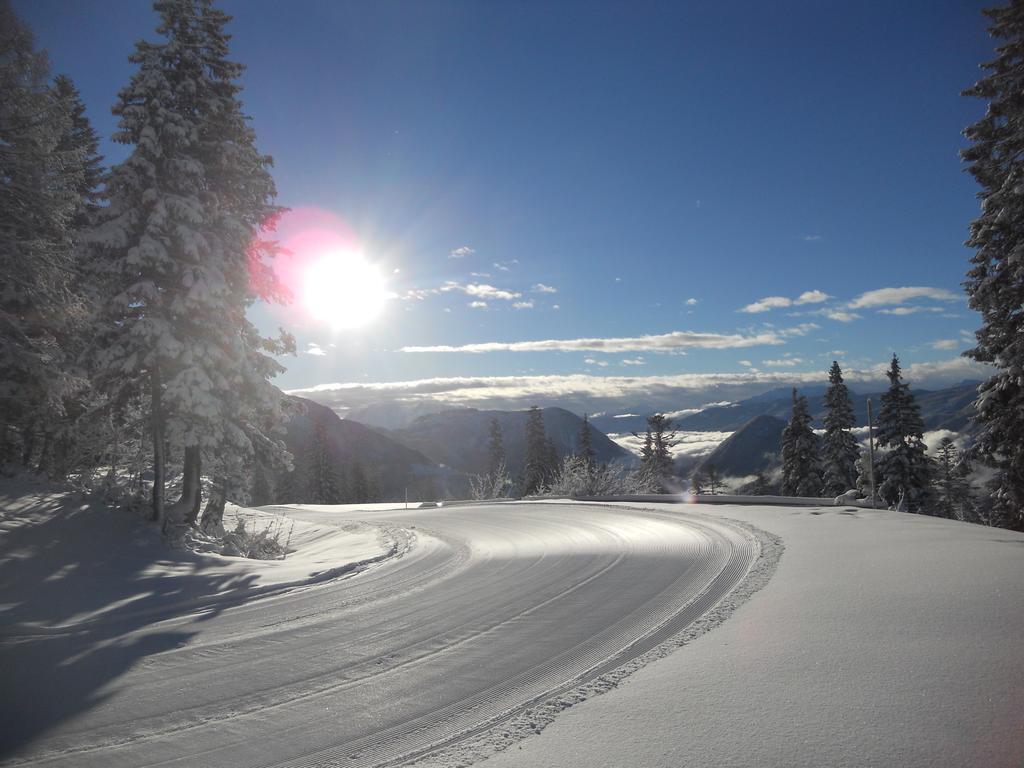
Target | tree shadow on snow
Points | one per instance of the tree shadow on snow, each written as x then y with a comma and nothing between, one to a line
81,588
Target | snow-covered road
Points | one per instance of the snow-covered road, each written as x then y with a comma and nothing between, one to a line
500,615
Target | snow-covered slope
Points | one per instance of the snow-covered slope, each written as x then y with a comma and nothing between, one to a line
65,562
883,639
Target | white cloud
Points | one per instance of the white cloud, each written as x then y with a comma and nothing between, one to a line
619,392
461,252
592,361
666,342
634,361
745,363
946,344
480,291
786,362
478,304
882,297
934,437
690,302
767,303
523,305
812,297
780,302
810,238
419,294
689,443
505,266
841,315
800,330
555,306
315,349
541,288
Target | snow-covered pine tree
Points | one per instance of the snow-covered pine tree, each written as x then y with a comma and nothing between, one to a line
995,282
839,447
801,471
656,463
951,484
537,463
494,482
584,446
903,466
182,255
38,201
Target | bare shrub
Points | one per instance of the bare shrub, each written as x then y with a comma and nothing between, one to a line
256,542
490,485
577,477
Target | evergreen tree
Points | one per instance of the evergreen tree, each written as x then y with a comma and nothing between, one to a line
495,449
656,462
801,472
358,484
839,447
584,448
79,144
903,469
322,472
995,282
951,484
39,197
539,464
181,256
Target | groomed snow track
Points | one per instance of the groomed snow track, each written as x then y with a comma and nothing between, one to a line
498,611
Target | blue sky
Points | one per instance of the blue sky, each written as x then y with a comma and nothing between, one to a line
662,166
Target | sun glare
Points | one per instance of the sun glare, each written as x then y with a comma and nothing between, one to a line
344,290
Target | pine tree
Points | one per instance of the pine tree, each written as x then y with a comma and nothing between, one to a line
358,484
839,447
584,447
39,198
494,482
656,463
995,282
801,472
322,472
539,463
903,467
951,484
495,449
180,252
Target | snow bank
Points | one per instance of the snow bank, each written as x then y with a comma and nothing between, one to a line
66,562
883,638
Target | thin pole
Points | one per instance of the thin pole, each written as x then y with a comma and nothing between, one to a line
406,498
871,453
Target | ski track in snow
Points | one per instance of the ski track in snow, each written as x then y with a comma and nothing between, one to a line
475,638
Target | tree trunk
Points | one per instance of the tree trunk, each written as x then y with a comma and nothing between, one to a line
192,489
158,446
213,515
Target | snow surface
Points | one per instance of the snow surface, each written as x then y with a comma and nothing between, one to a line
66,562
883,639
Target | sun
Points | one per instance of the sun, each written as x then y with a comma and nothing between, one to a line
344,290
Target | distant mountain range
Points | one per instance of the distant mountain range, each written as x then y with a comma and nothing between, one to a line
751,448
388,466
457,438
411,446
941,409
